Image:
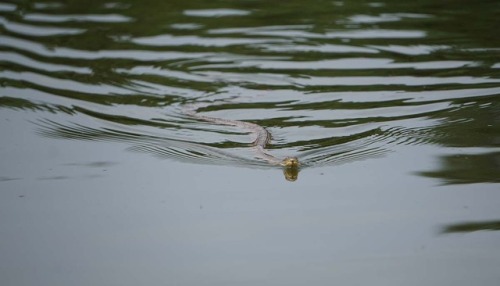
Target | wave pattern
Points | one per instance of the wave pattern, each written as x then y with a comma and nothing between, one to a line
332,88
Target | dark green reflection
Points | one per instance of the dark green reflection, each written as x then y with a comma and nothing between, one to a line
472,129
17,103
467,168
340,81
471,226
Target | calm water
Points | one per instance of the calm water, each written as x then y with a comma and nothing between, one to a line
392,107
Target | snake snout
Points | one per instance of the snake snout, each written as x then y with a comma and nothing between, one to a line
290,162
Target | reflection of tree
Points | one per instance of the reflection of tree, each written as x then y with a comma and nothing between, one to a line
470,126
463,168
471,226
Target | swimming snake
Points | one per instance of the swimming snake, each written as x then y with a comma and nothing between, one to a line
262,139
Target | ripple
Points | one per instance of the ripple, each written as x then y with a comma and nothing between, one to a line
392,80
260,29
326,48
216,12
63,84
338,86
102,18
342,64
159,146
293,32
62,52
167,73
385,17
186,26
47,6
42,66
356,81
413,50
170,40
37,31
6,7
394,96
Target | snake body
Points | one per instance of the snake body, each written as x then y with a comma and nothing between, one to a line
261,140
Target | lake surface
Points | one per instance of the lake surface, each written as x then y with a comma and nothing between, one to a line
110,173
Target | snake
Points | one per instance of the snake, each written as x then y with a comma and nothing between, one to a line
262,138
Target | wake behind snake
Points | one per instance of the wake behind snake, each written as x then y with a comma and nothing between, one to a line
262,138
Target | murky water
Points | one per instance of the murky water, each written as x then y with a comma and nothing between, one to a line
392,108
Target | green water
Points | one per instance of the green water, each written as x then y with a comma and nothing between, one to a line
392,108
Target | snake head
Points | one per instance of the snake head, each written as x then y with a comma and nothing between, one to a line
290,163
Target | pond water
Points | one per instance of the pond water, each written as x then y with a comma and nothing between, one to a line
128,157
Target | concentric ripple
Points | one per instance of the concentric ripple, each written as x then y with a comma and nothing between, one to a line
335,88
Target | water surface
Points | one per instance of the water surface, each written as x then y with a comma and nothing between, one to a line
392,108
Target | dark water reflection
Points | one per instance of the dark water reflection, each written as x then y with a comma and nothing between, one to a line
472,227
334,82
472,132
